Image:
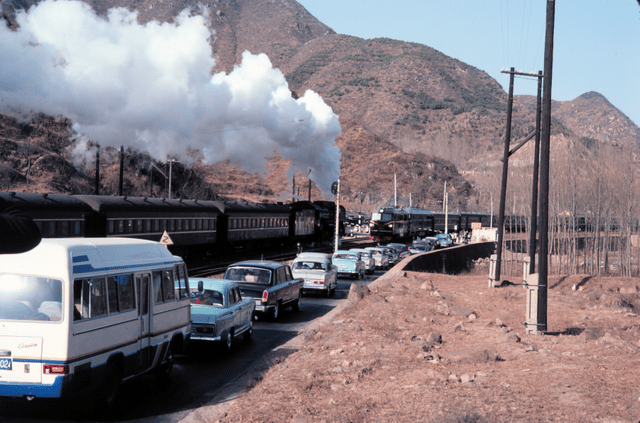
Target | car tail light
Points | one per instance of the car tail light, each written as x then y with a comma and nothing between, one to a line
55,369
265,296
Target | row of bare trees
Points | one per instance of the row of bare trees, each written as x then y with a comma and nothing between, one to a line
594,201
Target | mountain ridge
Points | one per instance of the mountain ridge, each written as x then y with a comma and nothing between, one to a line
413,98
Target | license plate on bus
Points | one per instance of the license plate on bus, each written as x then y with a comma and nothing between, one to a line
5,364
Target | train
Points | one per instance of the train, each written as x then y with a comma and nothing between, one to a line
189,228
389,224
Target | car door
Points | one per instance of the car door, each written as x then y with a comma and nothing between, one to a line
286,290
243,315
225,320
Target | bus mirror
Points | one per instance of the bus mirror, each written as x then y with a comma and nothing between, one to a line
200,286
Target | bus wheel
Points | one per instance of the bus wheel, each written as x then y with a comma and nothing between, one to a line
108,393
164,371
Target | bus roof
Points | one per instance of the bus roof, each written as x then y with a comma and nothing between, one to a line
57,256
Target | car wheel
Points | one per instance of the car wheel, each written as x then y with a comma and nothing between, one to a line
247,334
229,343
296,305
276,311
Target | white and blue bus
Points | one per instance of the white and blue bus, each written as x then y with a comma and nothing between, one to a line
84,314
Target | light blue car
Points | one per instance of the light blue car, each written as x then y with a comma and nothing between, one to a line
218,311
444,240
349,263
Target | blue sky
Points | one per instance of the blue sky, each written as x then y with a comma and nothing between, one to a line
596,42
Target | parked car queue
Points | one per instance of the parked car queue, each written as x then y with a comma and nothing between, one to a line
224,309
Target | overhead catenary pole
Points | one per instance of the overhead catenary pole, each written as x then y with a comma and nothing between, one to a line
505,173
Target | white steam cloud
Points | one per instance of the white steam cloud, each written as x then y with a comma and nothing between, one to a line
150,87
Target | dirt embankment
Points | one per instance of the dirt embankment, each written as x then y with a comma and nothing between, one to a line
439,348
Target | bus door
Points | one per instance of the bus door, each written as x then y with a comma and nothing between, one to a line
142,283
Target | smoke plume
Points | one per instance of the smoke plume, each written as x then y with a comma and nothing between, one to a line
150,87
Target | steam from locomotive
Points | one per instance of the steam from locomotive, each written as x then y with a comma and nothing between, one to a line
150,87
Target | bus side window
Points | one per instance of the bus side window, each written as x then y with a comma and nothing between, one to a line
125,293
157,287
120,293
80,302
167,285
112,289
181,284
98,305
89,298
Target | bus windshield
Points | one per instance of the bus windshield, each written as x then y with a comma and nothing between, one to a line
24,297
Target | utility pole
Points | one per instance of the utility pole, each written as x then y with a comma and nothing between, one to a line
505,172
337,234
545,140
309,177
121,177
534,189
97,189
505,169
171,162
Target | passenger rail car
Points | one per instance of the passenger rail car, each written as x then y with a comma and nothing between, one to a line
57,215
249,225
190,227
448,221
189,224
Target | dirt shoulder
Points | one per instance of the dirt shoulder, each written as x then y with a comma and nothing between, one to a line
438,348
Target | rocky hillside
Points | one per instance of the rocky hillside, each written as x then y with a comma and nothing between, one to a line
406,109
